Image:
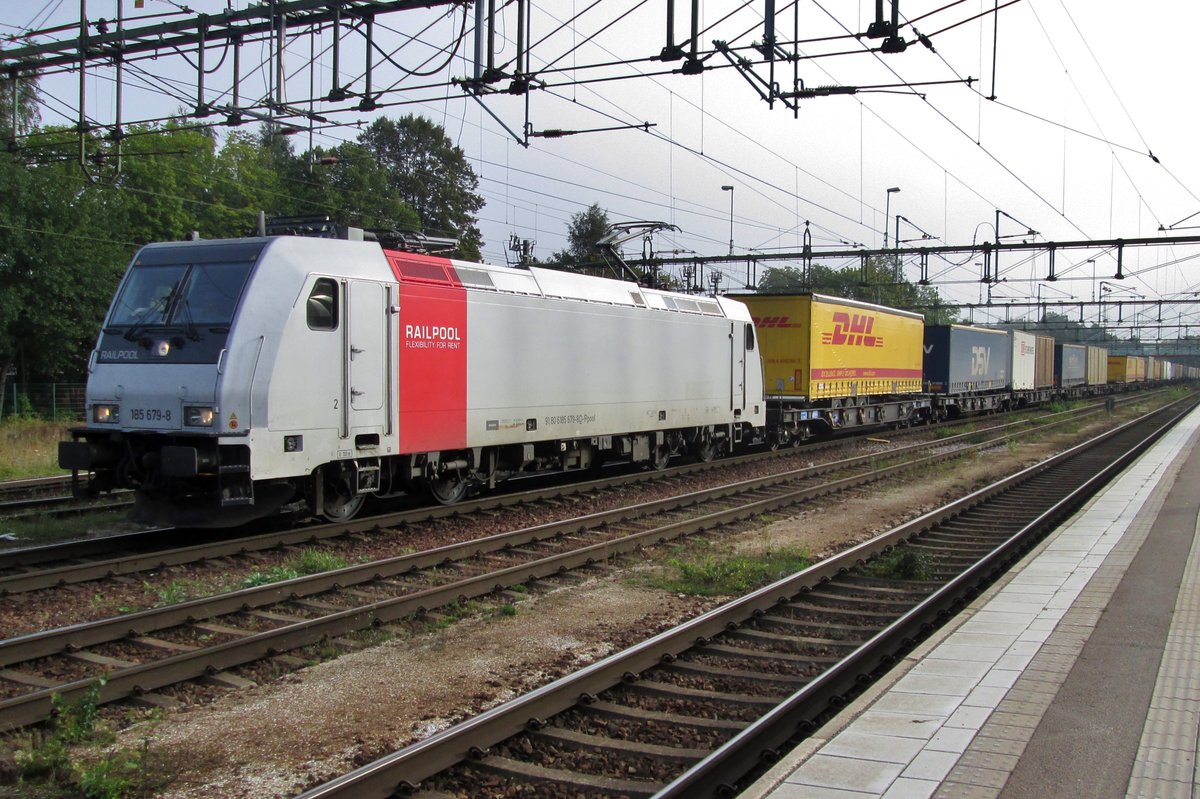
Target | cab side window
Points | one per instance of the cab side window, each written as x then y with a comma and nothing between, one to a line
749,337
323,305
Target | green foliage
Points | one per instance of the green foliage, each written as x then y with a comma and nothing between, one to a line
448,615
112,778
310,561
878,284
30,446
1063,328
429,173
70,230
59,262
586,228
172,593
352,186
901,564
73,758
1062,406
27,98
705,572
76,721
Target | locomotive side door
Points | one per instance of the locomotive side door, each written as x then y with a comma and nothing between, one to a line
737,367
366,357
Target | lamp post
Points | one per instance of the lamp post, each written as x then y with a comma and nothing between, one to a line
730,190
887,214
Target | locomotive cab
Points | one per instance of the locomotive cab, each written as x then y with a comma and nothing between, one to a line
154,410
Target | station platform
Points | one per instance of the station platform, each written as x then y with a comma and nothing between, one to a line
1077,675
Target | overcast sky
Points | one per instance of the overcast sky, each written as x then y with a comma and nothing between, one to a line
1085,90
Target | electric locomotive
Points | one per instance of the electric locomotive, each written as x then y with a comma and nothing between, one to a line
234,378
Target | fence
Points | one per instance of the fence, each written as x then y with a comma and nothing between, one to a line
48,400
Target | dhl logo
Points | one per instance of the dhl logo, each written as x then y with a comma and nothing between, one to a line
774,321
852,331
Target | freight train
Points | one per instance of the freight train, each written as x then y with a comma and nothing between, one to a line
235,378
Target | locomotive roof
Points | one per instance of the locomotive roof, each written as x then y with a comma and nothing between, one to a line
554,283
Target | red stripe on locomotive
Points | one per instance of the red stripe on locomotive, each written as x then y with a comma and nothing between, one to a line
433,353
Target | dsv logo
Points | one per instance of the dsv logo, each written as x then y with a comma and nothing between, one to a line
852,331
980,358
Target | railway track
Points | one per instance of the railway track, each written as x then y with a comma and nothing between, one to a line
698,709
51,496
72,562
144,652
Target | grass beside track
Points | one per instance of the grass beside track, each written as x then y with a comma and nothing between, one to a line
30,448
703,568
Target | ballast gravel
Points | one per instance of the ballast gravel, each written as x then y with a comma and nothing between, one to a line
282,736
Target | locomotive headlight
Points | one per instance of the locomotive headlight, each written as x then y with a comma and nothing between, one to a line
199,416
106,414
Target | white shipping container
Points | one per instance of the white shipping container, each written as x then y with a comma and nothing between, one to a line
1024,360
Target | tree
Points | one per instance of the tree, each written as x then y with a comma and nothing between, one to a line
430,174
24,92
783,280
350,184
248,176
59,260
586,228
1062,328
876,284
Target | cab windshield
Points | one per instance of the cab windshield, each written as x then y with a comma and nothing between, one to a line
180,294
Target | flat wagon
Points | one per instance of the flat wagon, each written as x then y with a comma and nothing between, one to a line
1070,365
831,363
970,368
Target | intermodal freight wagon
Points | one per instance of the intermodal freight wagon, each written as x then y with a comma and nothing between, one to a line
1126,369
1097,366
1032,362
1070,365
969,367
831,363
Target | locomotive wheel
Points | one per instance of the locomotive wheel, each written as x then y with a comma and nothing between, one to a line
662,457
341,506
339,501
448,489
707,449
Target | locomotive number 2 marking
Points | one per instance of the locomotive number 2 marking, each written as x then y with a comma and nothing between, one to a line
980,356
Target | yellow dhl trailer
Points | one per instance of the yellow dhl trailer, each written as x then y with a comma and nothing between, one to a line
816,347
1126,369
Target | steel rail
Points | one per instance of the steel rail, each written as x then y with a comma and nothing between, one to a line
35,706
147,540
407,768
761,741
160,559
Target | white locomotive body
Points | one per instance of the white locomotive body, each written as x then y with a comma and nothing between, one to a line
234,377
